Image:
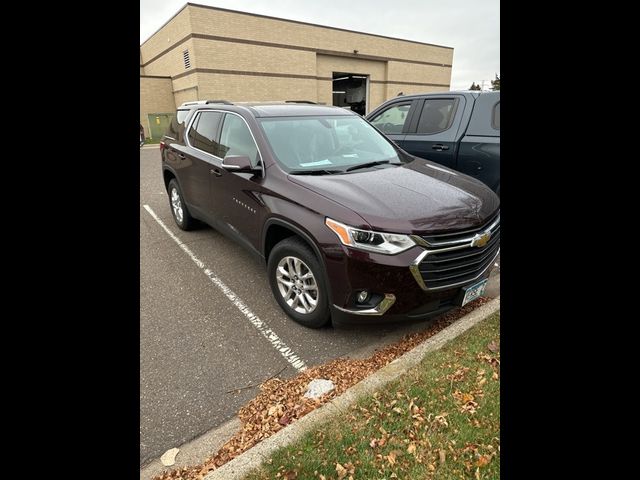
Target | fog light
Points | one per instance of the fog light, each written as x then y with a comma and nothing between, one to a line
362,296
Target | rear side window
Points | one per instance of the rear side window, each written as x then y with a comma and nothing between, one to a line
177,123
203,133
437,115
236,139
392,120
495,119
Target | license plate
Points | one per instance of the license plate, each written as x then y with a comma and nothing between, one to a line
474,291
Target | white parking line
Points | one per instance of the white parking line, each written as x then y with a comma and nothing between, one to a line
289,355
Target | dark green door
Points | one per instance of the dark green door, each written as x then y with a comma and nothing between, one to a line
158,123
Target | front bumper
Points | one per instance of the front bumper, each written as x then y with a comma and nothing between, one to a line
396,294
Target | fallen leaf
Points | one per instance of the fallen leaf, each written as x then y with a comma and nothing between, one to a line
495,375
443,456
391,458
350,450
342,472
411,449
431,467
477,474
373,443
284,420
168,458
493,346
322,477
483,460
290,475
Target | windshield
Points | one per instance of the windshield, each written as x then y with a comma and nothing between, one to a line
326,143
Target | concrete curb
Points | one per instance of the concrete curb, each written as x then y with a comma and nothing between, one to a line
242,465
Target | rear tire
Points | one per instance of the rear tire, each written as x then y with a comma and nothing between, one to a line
179,210
297,282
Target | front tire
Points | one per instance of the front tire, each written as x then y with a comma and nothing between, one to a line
297,282
181,215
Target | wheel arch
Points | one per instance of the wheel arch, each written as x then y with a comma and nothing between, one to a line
277,229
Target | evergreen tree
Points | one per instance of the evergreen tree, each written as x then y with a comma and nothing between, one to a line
474,86
495,84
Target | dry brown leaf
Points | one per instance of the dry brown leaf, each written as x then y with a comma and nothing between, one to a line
493,346
477,474
411,449
391,458
495,375
431,467
443,456
483,460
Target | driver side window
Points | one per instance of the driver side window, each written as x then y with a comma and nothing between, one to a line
392,119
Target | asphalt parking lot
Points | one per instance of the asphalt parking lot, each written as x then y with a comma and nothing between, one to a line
209,328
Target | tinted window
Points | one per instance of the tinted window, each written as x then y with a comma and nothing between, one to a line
392,119
495,121
177,122
436,115
202,134
316,143
236,139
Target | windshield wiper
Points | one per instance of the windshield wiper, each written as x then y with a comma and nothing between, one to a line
314,172
368,164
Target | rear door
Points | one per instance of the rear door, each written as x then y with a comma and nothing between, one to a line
434,130
393,119
199,158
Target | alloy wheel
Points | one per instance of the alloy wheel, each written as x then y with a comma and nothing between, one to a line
297,285
176,204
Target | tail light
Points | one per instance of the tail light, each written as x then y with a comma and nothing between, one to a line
161,146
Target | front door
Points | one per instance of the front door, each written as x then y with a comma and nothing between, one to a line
393,120
235,192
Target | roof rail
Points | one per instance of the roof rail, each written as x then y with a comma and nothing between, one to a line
198,102
225,102
301,101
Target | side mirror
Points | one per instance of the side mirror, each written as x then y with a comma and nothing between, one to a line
238,163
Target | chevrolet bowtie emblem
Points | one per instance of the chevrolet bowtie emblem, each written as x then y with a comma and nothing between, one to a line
480,239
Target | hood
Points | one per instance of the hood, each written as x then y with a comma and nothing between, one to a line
418,197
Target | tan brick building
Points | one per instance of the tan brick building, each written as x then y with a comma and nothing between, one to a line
205,52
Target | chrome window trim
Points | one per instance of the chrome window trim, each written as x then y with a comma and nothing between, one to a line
198,112
384,305
415,270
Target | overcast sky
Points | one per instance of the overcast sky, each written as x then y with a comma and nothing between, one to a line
471,27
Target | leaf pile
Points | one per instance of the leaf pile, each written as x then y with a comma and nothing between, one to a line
281,402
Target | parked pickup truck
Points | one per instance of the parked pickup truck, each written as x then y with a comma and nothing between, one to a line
460,130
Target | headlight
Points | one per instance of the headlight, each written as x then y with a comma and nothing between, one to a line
387,243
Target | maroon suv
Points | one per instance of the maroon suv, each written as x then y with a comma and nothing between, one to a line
351,227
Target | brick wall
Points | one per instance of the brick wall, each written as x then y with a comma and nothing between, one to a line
300,57
156,96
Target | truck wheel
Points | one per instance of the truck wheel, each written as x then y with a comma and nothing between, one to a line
297,283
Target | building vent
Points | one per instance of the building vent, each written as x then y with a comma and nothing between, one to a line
187,60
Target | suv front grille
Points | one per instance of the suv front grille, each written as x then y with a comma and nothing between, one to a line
454,259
